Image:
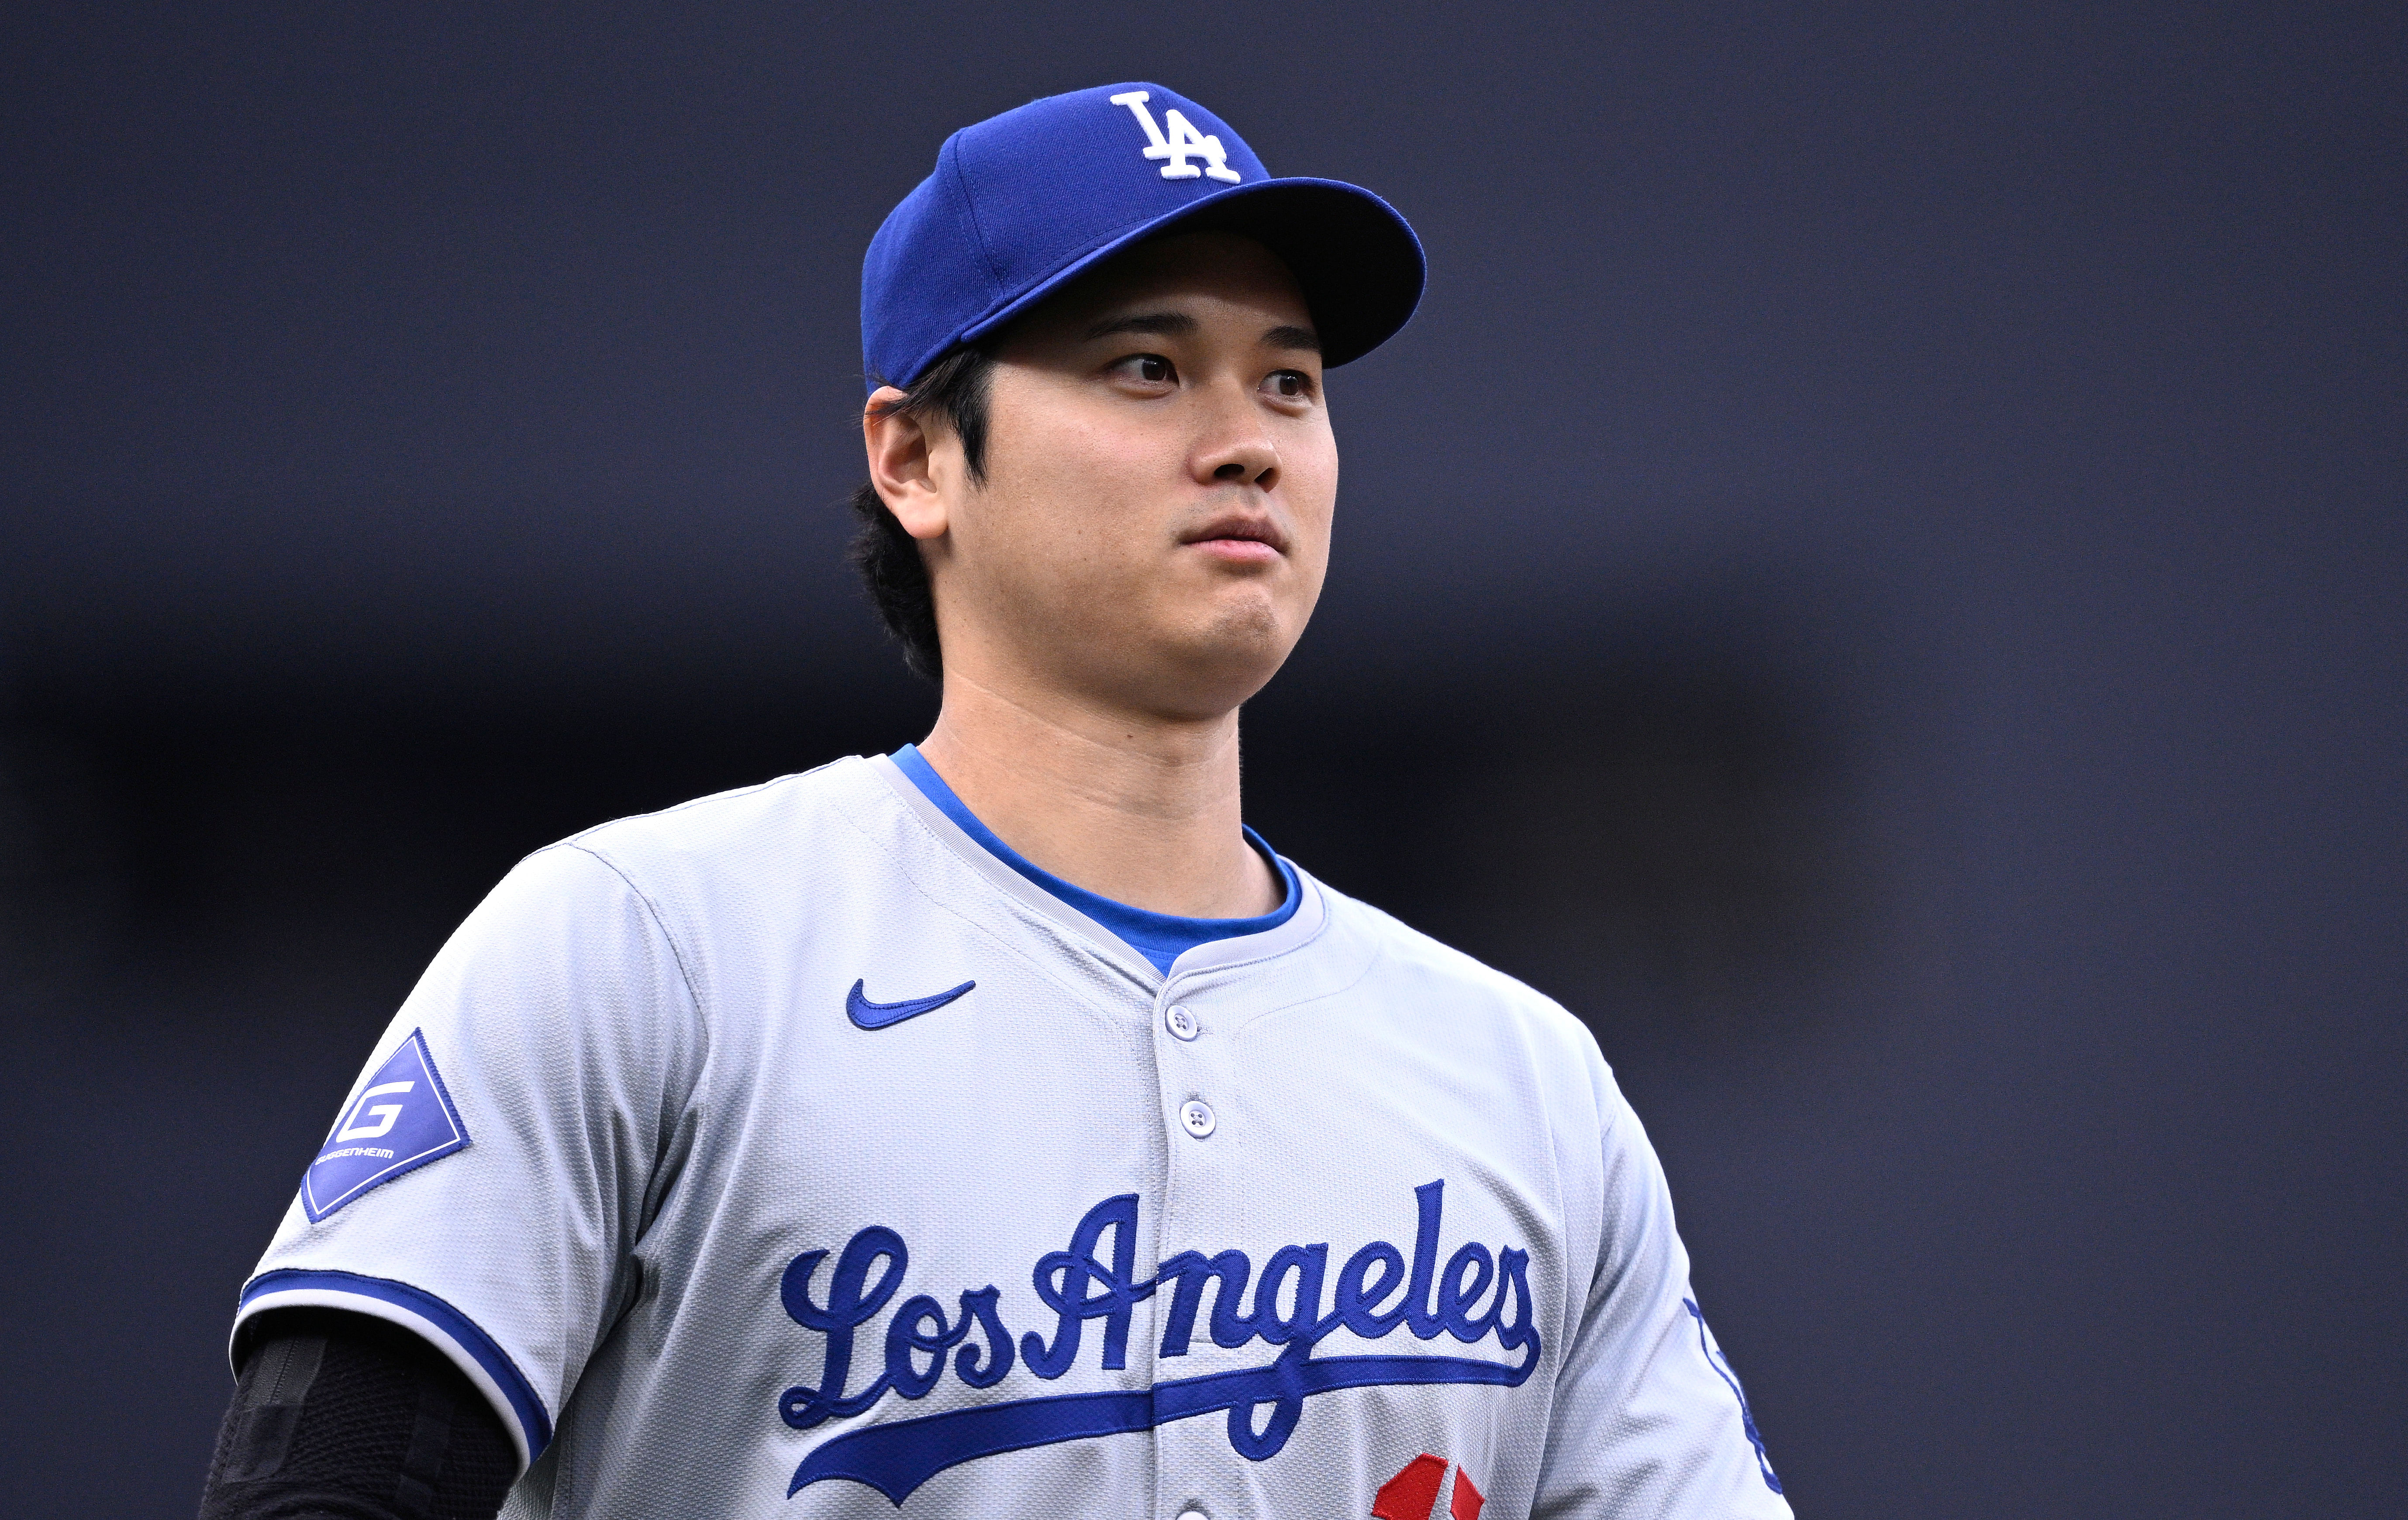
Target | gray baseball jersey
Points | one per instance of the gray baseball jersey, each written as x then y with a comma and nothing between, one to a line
788,1154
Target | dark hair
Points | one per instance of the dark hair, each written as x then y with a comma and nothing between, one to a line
953,389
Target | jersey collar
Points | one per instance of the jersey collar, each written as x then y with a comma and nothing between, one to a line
1301,927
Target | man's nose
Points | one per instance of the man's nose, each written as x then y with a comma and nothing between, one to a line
1236,447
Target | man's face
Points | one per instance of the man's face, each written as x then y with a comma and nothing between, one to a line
1160,474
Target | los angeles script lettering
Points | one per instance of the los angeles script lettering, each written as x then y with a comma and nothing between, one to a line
1078,1285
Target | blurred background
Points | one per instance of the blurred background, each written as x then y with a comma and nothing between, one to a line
1876,578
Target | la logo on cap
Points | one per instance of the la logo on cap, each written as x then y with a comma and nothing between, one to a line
1184,140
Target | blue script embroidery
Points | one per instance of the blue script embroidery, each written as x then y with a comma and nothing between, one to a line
897,1457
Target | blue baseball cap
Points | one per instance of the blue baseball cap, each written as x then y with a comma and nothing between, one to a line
1024,202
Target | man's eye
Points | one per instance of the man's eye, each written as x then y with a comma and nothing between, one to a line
1291,384
1152,368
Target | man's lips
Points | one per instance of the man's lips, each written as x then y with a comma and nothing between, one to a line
1240,537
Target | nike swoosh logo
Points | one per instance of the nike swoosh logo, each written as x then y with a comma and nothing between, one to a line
868,1015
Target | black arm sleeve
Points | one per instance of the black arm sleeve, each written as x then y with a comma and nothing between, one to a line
337,1416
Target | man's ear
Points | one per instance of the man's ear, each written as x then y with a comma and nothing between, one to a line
902,463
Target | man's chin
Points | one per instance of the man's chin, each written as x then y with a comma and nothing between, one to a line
1211,670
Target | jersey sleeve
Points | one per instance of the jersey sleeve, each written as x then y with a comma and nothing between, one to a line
485,1181
1649,1419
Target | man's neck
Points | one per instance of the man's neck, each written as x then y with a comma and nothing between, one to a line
1143,810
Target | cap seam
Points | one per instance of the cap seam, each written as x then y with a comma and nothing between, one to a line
969,208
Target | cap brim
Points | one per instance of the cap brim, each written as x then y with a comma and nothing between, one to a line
1358,263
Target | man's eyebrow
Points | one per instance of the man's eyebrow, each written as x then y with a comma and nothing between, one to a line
1165,323
1301,339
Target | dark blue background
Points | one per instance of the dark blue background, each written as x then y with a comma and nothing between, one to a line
1877,577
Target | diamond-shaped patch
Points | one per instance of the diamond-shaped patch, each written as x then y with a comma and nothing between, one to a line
402,1119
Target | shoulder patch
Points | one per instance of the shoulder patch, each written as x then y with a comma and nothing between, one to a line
402,1119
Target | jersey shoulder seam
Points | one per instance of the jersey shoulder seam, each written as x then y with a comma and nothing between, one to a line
1387,925
579,838
1371,964
652,912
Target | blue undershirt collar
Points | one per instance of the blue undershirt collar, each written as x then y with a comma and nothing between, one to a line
1160,938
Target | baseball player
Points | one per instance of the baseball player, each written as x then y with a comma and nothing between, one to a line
998,1127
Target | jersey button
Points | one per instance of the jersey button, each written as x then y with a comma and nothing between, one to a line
1192,1514
1181,1022
1196,1117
